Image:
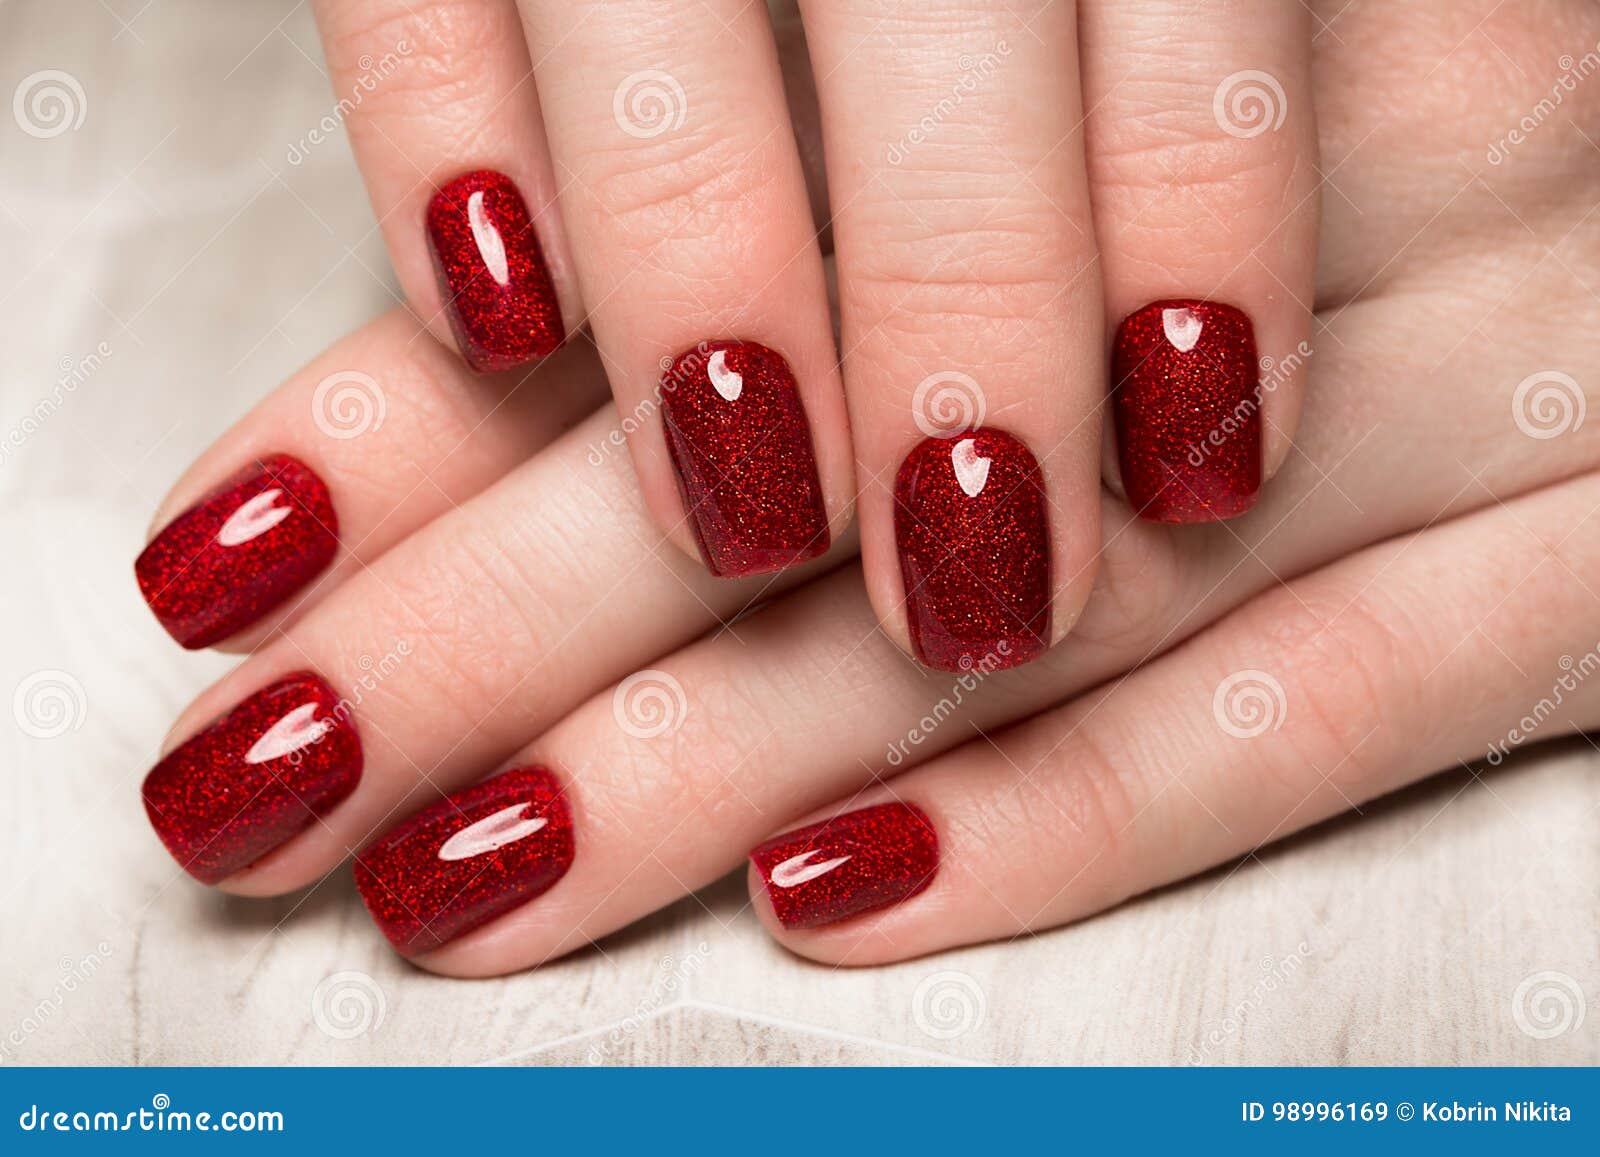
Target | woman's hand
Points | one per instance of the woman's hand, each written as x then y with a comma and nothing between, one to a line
1007,185
1400,598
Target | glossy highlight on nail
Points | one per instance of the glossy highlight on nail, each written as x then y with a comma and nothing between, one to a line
254,778
468,858
858,862
741,449
240,552
1188,411
971,523
492,275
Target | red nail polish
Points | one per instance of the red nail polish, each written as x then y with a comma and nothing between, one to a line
971,522
468,858
1188,411
492,276
858,862
741,446
254,778
245,548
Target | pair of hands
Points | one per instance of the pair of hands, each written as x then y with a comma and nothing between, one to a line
480,580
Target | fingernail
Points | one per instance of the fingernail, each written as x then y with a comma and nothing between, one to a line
254,778
741,447
245,548
1188,411
858,862
492,276
470,857
971,523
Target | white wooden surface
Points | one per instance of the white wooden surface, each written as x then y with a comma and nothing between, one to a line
171,227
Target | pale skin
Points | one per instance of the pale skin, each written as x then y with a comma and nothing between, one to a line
1410,580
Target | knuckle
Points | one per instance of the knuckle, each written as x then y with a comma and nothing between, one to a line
482,622
1349,671
690,187
428,54
1142,576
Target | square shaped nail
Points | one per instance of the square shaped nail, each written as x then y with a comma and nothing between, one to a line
1188,411
492,276
254,778
741,447
858,862
472,856
240,552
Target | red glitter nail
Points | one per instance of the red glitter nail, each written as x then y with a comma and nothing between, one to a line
971,521
492,276
858,862
468,858
254,778
245,548
1188,411
741,446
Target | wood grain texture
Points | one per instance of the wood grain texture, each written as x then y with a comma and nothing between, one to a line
1399,937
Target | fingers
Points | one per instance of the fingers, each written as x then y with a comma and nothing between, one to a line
430,664
1311,700
971,318
684,198
370,441
444,120
1203,167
